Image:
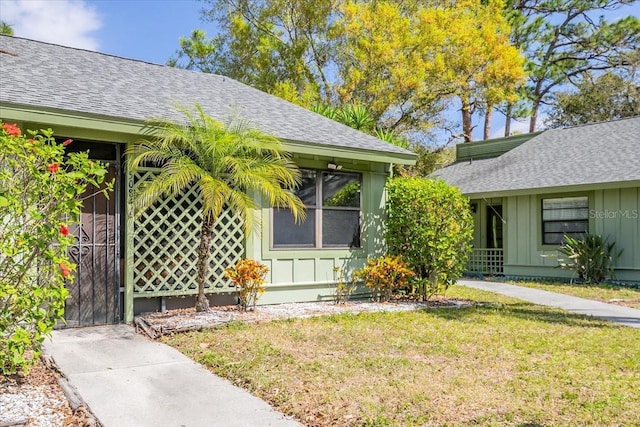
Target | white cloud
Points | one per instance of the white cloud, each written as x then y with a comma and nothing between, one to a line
65,22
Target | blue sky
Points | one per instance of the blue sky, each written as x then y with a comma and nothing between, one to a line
148,30
140,29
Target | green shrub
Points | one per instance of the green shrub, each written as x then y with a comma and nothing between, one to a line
248,276
39,199
430,226
590,257
384,275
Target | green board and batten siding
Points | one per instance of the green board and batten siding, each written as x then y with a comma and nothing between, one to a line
598,160
310,274
300,275
613,213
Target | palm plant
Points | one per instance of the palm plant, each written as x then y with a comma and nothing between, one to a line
590,256
227,163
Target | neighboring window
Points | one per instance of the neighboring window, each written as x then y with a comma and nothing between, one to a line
332,201
566,215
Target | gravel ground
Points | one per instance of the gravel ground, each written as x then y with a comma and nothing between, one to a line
36,400
157,324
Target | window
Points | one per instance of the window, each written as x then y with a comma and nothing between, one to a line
332,201
566,215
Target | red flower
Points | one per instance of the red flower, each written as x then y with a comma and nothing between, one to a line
64,230
66,272
11,130
67,142
31,141
53,167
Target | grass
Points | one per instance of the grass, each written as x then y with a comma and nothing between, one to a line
505,363
624,295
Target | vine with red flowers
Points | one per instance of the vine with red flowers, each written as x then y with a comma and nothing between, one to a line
40,189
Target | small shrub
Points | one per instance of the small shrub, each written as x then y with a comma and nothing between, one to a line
429,224
40,188
590,257
344,289
384,275
248,277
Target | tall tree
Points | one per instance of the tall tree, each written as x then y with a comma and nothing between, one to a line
274,45
608,97
406,63
404,60
562,40
226,163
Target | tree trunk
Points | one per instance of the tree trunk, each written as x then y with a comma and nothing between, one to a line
534,116
467,126
507,122
202,303
488,117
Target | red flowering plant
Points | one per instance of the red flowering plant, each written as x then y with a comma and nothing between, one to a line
40,189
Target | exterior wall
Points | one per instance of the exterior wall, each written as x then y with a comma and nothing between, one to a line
301,275
309,274
613,213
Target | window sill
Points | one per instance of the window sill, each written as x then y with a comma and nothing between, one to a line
306,253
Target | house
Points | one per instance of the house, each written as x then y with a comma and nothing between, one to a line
127,265
526,191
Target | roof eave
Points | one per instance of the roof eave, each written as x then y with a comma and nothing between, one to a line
555,189
127,130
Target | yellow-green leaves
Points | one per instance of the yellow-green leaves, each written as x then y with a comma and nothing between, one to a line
405,61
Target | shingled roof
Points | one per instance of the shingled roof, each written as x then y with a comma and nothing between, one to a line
38,74
600,153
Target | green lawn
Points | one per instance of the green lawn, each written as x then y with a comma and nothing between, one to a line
508,363
624,295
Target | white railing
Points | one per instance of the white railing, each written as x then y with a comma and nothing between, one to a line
486,261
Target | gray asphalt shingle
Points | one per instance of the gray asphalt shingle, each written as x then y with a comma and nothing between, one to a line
598,153
50,76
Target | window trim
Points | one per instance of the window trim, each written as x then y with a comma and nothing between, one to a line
319,208
542,221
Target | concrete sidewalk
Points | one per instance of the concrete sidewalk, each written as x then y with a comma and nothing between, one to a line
614,313
128,380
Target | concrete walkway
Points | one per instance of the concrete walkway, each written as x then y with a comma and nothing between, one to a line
614,313
128,380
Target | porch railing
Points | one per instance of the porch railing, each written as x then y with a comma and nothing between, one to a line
486,261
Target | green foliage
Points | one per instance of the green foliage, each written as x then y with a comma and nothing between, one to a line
428,161
608,97
349,195
430,226
226,163
590,257
39,199
563,40
248,276
344,289
403,61
274,45
5,28
384,275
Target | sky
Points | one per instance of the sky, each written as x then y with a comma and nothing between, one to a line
147,30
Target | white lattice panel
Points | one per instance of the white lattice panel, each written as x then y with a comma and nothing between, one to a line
166,239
